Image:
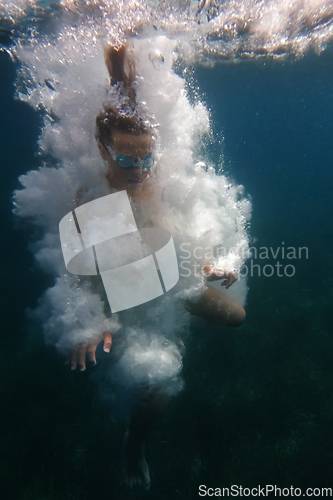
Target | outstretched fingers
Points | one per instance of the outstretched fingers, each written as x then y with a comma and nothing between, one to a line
78,356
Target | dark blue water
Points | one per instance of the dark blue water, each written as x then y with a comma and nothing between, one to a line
277,122
19,129
261,396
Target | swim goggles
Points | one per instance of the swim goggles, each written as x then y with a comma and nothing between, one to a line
129,162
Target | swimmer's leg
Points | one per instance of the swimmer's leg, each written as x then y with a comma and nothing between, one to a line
218,307
143,417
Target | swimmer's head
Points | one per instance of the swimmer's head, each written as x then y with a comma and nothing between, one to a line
120,126
110,120
134,146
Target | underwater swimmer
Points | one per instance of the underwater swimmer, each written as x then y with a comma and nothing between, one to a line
126,143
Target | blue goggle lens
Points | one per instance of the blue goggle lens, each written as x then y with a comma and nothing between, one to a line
124,162
127,162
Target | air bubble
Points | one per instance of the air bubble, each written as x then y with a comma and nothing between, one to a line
157,59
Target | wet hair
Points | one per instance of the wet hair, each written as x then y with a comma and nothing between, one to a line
122,116
110,120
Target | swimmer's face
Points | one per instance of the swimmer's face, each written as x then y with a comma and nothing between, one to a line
127,144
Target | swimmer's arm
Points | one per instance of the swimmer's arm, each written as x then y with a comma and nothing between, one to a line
77,357
215,273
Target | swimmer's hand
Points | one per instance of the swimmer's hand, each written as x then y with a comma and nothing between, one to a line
78,355
215,273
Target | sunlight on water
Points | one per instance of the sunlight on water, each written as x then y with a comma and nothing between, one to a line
215,29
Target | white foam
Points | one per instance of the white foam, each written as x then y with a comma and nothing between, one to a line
149,360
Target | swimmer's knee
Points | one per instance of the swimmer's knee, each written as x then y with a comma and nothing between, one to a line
236,318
